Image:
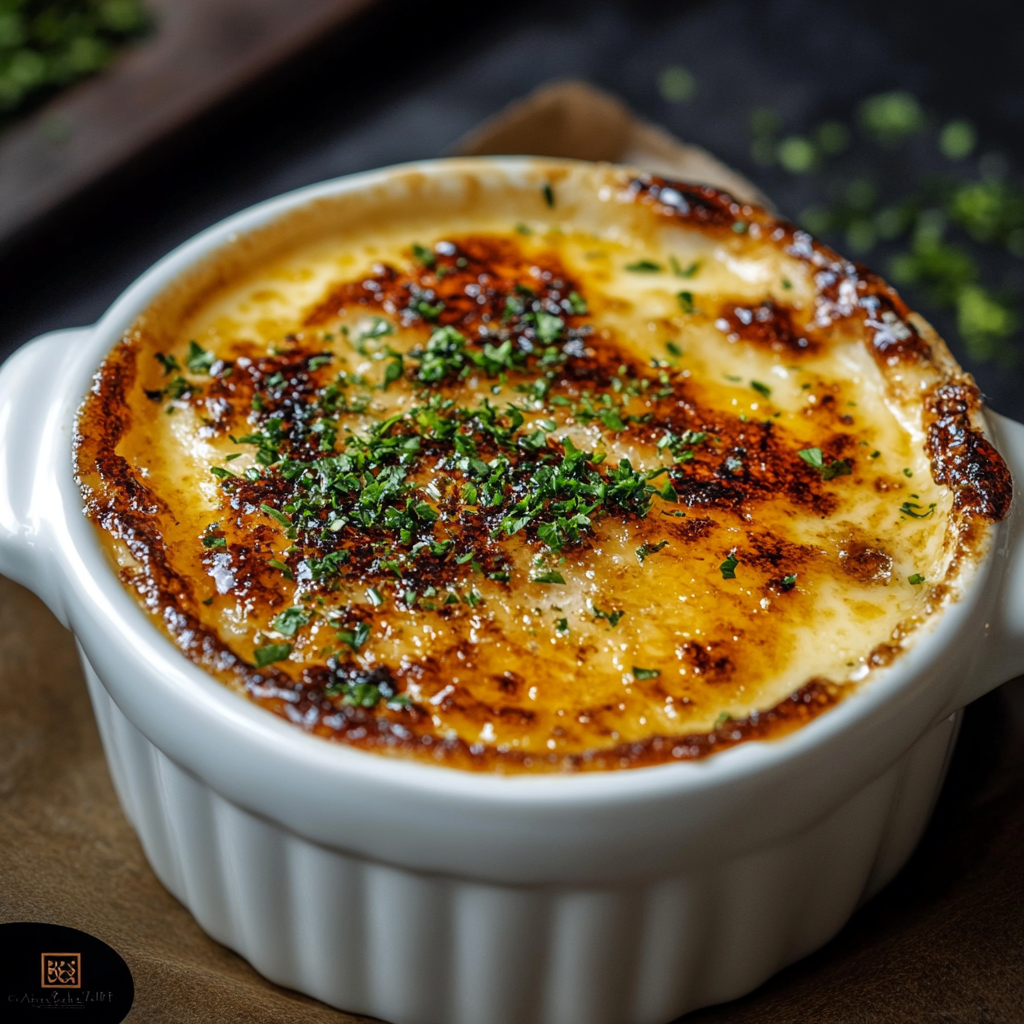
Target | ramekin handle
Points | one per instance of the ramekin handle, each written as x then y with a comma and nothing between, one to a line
27,420
1001,655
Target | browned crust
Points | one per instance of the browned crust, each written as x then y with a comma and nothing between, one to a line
962,458
120,503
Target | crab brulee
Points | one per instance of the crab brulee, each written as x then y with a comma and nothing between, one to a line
582,471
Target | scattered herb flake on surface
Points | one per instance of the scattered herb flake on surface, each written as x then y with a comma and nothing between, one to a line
278,517
646,549
269,653
816,460
680,271
728,567
198,359
913,509
548,577
355,638
423,255
169,363
612,618
646,673
290,621
281,567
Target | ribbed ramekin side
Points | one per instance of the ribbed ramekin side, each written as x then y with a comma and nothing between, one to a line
133,763
921,772
415,948
711,937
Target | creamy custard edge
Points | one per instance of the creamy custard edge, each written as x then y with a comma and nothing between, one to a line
586,472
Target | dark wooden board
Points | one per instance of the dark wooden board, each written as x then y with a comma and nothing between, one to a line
201,53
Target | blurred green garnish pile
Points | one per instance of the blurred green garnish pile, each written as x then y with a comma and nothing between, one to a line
46,45
950,238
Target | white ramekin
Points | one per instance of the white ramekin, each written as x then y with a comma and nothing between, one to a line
424,895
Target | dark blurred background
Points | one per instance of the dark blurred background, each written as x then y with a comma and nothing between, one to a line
752,81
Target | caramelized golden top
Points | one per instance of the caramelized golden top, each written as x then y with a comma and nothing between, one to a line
515,490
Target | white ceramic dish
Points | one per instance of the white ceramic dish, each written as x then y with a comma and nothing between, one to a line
424,895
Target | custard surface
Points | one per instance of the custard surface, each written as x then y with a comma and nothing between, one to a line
526,487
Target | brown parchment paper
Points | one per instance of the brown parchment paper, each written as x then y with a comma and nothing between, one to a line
944,943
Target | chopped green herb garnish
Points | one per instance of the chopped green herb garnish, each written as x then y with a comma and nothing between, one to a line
761,389
290,621
211,541
786,283
839,467
423,255
269,653
393,370
813,457
646,673
220,472
275,563
426,310
728,567
908,472
649,549
355,638
789,582
577,304
916,579
673,349
562,625
913,509
549,194
685,300
722,719
816,460
278,517
611,419
680,271
548,326
548,577
644,267
198,359
169,363
612,618
368,329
